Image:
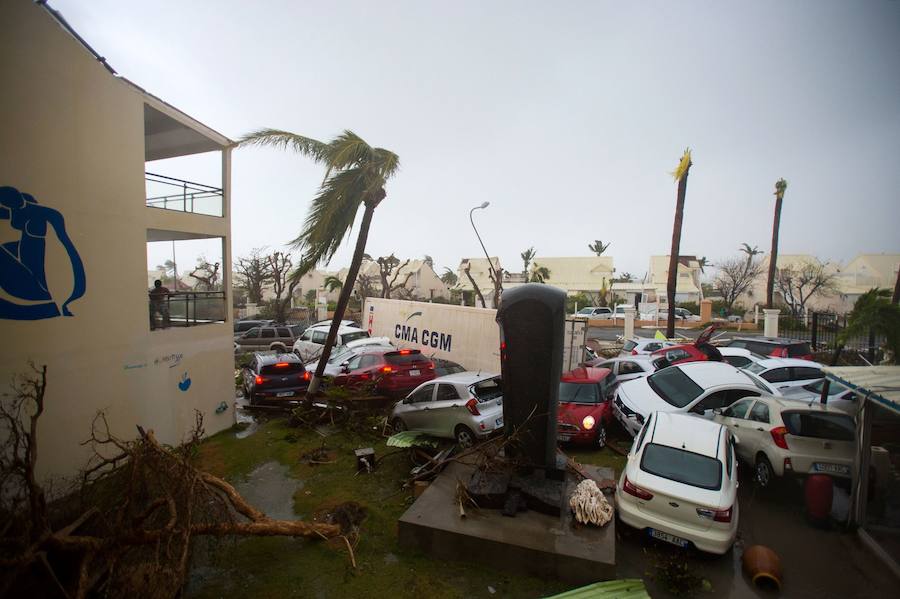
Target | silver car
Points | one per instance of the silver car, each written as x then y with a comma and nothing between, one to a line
465,406
628,368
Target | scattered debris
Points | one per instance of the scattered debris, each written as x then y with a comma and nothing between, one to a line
629,588
672,572
491,590
589,504
412,439
763,566
419,488
365,460
320,455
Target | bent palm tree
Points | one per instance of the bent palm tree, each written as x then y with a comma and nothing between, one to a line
539,274
331,282
681,175
527,257
780,186
355,174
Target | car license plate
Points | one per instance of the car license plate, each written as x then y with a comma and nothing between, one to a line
564,437
832,468
285,394
414,373
664,536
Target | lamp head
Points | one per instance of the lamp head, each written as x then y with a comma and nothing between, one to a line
485,204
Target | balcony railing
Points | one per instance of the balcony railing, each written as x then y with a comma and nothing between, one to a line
170,193
186,309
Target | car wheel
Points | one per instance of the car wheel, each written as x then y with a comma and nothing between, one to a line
398,425
764,474
278,347
464,436
601,436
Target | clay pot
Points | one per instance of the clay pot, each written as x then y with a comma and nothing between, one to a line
763,567
819,493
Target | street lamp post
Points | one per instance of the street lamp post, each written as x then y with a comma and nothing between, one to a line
498,281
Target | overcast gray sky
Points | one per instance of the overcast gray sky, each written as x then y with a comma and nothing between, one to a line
566,116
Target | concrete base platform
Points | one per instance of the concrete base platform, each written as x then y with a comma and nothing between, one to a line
531,543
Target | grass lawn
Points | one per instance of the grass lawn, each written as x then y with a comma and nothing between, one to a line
284,567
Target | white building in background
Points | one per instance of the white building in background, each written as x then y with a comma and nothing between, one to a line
76,143
578,274
480,271
422,283
687,285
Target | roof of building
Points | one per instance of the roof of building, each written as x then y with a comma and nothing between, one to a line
880,384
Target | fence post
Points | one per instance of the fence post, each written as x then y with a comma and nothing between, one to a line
871,346
815,330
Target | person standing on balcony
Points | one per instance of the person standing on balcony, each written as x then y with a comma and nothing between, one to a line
159,304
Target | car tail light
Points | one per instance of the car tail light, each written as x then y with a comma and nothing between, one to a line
778,434
259,380
306,376
387,369
588,423
429,366
472,406
282,365
636,491
715,515
404,352
634,352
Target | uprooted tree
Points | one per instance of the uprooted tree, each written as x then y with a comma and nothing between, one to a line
128,526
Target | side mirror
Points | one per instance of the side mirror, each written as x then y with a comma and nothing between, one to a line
717,411
345,367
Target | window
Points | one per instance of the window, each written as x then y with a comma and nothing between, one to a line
757,383
267,333
728,457
488,390
778,375
354,363
252,334
446,393
836,427
629,345
582,393
284,332
369,360
719,399
798,349
738,409
803,372
759,413
318,337
640,437
682,466
422,395
630,368
283,368
674,386
348,337
673,355
736,394
307,336
737,361
651,347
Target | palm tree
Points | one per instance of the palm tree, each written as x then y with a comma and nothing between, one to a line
449,278
598,247
355,174
540,274
681,176
331,282
780,186
527,257
876,315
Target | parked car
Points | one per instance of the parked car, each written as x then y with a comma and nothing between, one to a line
698,351
685,314
776,347
739,356
242,326
840,396
644,346
625,368
735,318
585,406
274,338
779,437
392,371
619,312
692,388
310,344
344,353
444,367
275,379
785,373
327,323
595,312
680,483
465,406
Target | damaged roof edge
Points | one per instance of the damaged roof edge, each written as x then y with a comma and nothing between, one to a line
154,101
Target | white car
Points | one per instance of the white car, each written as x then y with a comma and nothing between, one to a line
680,483
739,356
344,353
309,345
786,373
327,323
779,437
627,368
839,396
690,388
595,312
465,406
642,346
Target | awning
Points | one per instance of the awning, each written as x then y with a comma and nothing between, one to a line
880,384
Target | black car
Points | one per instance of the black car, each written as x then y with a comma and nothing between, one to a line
275,379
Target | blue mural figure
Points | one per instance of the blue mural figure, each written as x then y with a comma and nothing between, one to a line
23,273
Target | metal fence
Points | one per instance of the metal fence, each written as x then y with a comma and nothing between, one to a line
823,329
186,309
170,193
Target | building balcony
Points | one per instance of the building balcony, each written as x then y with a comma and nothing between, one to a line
186,308
169,193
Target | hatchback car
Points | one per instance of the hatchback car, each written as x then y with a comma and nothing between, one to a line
274,338
344,353
840,396
786,373
779,437
465,406
625,369
393,372
739,356
274,379
692,388
644,346
585,406
698,351
680,482
775,347
310,344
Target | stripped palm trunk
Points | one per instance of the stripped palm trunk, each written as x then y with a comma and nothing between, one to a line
346,290
681,174
780,186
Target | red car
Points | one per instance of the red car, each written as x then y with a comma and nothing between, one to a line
394,372
585,406
698,351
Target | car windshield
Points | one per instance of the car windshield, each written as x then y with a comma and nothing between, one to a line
798,349
340,354
585,311
833,389
819,425
629,345
400,358
754,368
348,337
585,393
759,384
488,389
674,386
282,368
682,466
